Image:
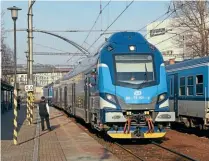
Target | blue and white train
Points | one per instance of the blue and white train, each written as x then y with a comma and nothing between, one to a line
121,90
188,84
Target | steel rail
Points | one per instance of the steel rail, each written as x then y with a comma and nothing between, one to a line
173,151
129,151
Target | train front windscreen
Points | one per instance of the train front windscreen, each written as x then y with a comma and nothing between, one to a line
134,70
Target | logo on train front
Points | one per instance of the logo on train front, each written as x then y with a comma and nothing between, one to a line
137,93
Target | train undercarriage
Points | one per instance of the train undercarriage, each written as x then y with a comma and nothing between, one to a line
194,122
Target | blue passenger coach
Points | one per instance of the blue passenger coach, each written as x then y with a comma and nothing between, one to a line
122,89
188,84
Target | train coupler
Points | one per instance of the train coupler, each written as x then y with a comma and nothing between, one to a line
137,132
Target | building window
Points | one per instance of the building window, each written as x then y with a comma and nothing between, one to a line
190,86
182,86
199,85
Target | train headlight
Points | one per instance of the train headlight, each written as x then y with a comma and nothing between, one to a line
111,98
161,97
132,48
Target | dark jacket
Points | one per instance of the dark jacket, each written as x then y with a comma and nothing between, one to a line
42,108
18,101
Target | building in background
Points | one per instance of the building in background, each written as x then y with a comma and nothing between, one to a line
41,79
163,35
42,76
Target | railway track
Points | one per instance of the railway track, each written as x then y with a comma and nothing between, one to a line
153,151
146,150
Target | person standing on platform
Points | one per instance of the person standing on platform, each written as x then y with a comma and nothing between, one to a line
44,113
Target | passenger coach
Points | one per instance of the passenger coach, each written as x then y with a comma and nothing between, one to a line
188,84
122,89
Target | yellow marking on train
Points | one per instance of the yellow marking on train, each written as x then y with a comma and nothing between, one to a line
120,135
154,135
131,135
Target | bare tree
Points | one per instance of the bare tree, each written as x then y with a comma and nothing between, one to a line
7,62
192,23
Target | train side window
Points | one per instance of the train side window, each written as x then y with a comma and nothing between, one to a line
199,85
171,86
182,87
190,86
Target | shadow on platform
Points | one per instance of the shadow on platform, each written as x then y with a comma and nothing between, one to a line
53,127
7,120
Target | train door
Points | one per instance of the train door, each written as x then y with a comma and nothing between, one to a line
60,101
65,97
56,97
176,93
86,102
73,99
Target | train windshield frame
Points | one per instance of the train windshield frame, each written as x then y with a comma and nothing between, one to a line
134,70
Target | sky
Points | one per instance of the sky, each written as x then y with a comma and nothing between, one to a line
75,15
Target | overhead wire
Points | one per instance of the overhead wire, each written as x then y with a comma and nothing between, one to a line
172,11
49,47
153,21
161,22
157,18
95,22
140,28
175,9
111,24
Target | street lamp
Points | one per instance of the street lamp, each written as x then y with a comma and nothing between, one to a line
14,13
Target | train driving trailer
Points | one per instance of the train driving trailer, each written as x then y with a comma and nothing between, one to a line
121,90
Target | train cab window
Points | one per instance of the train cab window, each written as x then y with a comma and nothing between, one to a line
190,86
199,85
182,87
133,70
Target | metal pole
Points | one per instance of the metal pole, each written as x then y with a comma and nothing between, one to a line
27,56
30,60
15,88
15,57
30,43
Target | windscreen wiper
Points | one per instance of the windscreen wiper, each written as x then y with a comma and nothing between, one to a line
146,77
146,73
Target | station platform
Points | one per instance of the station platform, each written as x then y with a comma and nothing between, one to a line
66,141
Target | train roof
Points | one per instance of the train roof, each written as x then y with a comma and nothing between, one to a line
84,65
188,63
121,37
